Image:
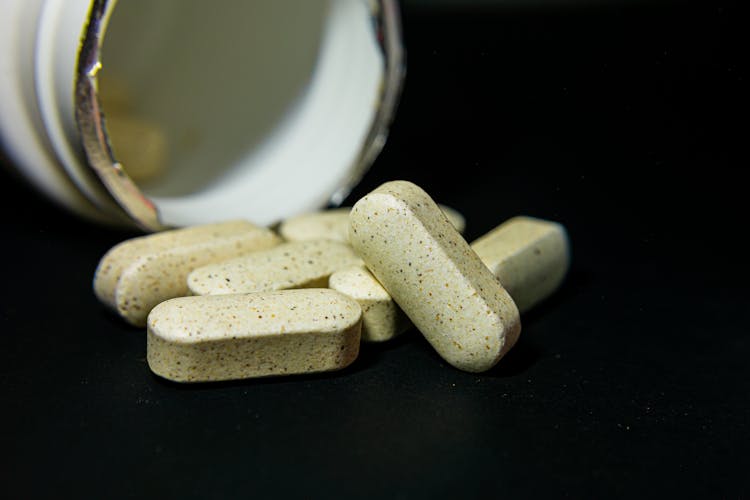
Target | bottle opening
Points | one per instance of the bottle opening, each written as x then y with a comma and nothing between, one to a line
257,110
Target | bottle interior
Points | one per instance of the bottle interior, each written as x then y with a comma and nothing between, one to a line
239,109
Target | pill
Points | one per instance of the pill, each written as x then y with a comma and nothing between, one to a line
228,337
137,274
300,264
382,319
330,224
114,93
139,145
333,224
434,276
529,256
454,216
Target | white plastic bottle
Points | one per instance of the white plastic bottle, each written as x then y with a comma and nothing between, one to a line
264,108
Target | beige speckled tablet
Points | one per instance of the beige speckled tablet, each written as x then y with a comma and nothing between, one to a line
139,145
300,264
433,274
330,224
333,224
455,217
529,256
139,273
227,337
382,319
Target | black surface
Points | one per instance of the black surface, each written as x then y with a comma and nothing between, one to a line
622,123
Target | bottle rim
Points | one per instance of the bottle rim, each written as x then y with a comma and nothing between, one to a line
94,136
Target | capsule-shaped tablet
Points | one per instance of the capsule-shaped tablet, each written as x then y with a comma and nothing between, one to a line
333,224
301,264
529,256
229,337
114,93
139,145
137,274
330,224
382,319
454,216
434,275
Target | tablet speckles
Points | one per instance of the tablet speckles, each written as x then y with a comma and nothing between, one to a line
227,337
434,276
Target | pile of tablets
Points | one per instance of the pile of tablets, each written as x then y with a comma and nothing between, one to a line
233,300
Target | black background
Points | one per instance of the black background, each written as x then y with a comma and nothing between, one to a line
624,122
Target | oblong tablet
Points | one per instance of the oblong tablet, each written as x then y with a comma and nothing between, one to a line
455,217
139,273
382,319
333,224
302,264
330,224
529,256
139,145
434,275
229,337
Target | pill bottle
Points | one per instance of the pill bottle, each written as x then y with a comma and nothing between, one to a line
255,109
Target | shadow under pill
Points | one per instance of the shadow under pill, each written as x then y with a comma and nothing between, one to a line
519,359
369,355
576,282
116,323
